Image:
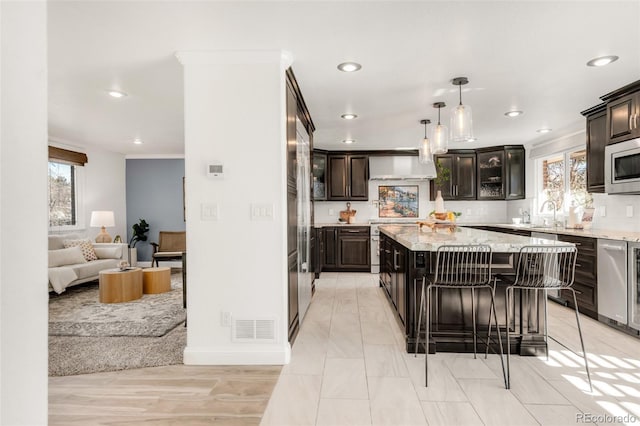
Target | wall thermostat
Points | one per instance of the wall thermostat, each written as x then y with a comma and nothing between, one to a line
215,171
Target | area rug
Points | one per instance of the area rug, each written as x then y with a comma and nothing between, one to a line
89,337
77,312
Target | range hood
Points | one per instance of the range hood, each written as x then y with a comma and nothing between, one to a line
399,168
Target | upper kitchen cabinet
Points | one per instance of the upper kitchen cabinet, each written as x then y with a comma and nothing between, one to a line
501,173
596,141
348,177
623,113
456,175
319,169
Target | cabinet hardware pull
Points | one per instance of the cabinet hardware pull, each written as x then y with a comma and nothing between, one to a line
578,264
395,258
631,121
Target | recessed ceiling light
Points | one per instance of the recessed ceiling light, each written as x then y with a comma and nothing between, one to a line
543,130
348,141
349,116
602,61
472,139
349,66
513,113
116,94
137,141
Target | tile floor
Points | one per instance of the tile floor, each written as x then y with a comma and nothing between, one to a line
349,368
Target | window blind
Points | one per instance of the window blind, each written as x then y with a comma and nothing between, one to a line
69,157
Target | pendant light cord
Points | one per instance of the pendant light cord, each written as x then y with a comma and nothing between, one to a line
425,130
460,87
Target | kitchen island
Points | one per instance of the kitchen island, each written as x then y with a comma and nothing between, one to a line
408,253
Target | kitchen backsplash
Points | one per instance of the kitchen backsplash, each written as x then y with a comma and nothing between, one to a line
472,211
614,207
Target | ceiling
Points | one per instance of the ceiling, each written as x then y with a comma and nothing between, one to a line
528,56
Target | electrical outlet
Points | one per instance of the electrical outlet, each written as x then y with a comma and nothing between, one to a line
225,319
330,212
603,211
629,211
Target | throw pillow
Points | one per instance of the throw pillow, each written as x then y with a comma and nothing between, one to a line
66,256
85,245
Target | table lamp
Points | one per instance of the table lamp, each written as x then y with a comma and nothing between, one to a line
102,219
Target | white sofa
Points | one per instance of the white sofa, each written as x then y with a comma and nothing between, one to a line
67,269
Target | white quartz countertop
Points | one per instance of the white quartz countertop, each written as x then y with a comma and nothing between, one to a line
590,233
415,239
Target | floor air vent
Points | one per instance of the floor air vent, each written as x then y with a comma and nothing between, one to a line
254,330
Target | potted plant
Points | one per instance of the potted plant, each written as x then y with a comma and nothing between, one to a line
140,230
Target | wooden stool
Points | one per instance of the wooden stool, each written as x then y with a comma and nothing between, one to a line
118,286
156,280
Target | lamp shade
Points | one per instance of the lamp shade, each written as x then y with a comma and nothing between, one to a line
440,139
461,123
102,219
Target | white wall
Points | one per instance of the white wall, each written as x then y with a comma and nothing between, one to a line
103,187
23,213
235,115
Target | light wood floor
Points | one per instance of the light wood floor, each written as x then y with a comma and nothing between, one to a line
349,368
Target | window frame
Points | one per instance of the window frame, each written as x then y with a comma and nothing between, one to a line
566,193
79,184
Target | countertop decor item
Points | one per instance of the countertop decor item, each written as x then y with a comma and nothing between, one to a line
348,215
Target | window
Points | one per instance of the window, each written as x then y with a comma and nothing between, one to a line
62,194
562,181
65,167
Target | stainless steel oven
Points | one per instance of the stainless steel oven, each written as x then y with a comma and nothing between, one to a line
633,283
622,167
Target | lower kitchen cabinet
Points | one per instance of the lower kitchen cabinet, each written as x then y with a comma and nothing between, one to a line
346,248
393,274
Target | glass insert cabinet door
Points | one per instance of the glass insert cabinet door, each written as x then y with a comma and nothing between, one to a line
491,175
319,176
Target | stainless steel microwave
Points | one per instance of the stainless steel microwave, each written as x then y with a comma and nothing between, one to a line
622,167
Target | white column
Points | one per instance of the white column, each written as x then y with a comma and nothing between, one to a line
23,213
235,115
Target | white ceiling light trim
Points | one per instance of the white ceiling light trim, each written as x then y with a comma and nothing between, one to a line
349,116
116,94
349,66
461,118
513,113
601,61
544,130
349,141
137,141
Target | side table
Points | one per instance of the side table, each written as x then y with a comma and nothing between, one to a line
156,280
118,286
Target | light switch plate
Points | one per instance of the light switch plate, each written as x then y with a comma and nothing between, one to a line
209,211
603,211
629,211
260,211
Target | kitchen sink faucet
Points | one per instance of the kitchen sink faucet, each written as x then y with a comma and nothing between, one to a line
553,204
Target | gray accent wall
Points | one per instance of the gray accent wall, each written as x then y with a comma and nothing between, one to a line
154,193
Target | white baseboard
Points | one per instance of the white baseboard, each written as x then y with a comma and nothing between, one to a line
261,356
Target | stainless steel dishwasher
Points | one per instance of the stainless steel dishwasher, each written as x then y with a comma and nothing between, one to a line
612,280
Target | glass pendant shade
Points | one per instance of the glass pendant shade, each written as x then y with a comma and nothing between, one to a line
424,152
439,139
461,123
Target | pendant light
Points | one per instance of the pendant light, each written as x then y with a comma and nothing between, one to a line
461,121
440,134
424,151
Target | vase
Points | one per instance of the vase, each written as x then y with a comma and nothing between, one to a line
439,203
